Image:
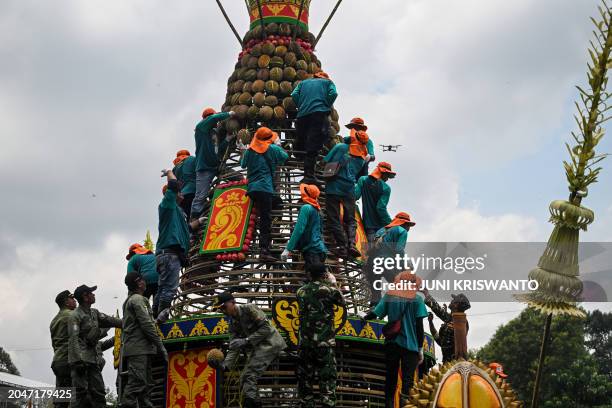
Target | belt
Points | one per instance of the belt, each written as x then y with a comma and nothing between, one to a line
168,251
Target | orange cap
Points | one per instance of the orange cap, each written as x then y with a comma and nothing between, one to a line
207,112
383,167
180,156
499,369
137,249
262,140
321,74
412,284
400,219
356,123
310,194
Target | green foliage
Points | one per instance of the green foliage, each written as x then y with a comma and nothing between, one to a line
599,340
580,171
112,400
6,364
570,377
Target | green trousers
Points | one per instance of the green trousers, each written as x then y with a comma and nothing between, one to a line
62,380
313,361
137,391
89,386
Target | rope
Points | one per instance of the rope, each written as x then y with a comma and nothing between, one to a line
229,22
326,24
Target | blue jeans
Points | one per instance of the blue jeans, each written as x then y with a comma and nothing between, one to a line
204,180
168,268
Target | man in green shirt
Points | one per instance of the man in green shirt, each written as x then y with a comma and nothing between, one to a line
316,353
172,244
340,191
85,329
185,172
210,148
250,331
140,342
261,159
375,194
314,99
142,260
356,126
306,236
59,341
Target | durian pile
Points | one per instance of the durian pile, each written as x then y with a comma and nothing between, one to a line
269,68
423,394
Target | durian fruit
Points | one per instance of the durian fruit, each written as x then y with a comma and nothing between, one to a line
444,384
268,69
215,356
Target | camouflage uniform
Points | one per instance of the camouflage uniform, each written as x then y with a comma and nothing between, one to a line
85,328
59,341
316,352
446,336
264,345
140,343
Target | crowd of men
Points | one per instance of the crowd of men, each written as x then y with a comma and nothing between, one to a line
78,332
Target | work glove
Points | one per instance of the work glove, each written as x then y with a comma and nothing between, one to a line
368,316
285,255
368,158
331,278
232,113
372,157
421,356
238,344
164,172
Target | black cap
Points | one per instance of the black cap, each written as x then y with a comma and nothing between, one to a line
61,297
82,290
219,300
131,279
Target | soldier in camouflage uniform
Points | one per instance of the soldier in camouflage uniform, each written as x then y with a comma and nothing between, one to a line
446,336
316,353
59,340
250,330
140,343
85,330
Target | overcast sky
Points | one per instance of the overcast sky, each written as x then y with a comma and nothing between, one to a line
97,96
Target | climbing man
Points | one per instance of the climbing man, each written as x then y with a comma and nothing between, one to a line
251,332
340,191
59,340
357,126
185,172
306,236
172,244
446,336
142,260
140,343
376,193
261,159
209,151
317,341
85,328
314,99
389,242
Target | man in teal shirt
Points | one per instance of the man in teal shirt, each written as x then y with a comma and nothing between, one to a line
406,349
210,147
185,172
314,99
375,193
261,160
389,242
340,190
143,261
172,244
357,125
306,236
